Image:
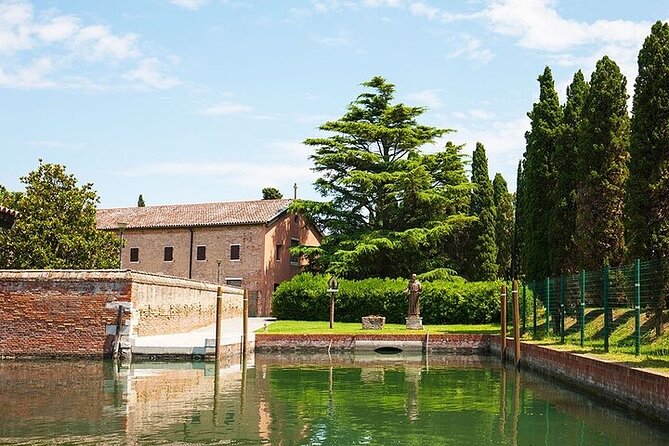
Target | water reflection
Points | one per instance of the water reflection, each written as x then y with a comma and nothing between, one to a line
281,401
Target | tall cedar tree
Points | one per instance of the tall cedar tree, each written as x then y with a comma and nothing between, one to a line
392,209
56,226
546,117
602,152
647,203
483,264
503,202
565,164
518,231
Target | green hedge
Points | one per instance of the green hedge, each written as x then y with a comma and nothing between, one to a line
305,297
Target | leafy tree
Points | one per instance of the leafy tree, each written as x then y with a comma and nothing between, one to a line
518,235
647,202
392,208
56,228
483,248
504,226
564,161
538,179
602,152
140,201
271,193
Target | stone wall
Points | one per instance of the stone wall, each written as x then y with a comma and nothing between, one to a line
456,343
641,390
74,313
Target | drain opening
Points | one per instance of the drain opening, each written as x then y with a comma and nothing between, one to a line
388,350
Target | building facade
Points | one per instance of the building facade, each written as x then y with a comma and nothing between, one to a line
244,244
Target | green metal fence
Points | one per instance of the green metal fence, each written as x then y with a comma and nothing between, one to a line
610,309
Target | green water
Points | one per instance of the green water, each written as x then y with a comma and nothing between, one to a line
281,401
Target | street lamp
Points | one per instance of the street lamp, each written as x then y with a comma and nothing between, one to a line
218,271
121,228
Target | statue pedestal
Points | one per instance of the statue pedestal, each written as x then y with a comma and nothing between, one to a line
414,323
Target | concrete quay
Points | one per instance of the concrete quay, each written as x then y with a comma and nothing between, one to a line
198,342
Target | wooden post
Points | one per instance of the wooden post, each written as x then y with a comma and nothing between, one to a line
503,323
117,335
245,323
332,302
219,315
516,322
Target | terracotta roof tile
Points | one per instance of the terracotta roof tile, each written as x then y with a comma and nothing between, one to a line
5,210
193,215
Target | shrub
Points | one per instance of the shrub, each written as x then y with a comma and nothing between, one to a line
305,297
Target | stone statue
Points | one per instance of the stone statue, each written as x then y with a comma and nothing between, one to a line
413,289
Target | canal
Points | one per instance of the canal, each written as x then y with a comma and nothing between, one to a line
297,400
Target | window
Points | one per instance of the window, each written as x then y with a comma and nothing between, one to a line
235,252
278,252
134,254
169,253
293,258
201,253
233,282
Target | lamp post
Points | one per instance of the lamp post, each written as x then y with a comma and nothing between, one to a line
218,271
121,228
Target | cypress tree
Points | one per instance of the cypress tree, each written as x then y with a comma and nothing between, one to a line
563,245
546,117
503,202
483,250
517,251
602,151
140,201
647,202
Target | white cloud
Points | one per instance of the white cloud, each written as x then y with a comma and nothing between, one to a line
252,175
226,108
45,49
470,47
429,98
193,5
538,25
98,43
343,38
150,73
293,149
33,75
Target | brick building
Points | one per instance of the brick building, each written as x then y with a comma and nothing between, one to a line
252,240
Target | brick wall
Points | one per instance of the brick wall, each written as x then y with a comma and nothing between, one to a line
73,313
640,390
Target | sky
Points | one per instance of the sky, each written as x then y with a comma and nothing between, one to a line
194,101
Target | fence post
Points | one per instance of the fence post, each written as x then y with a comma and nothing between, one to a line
524,309
548,306
503,323
562,308
516,322
582,306
534,311
605,286
637,307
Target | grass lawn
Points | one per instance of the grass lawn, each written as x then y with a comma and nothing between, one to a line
323,327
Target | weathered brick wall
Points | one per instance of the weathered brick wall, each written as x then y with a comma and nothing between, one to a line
73,313
641,390
163,305
58,312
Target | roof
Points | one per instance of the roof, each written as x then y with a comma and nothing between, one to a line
7,217
193,215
